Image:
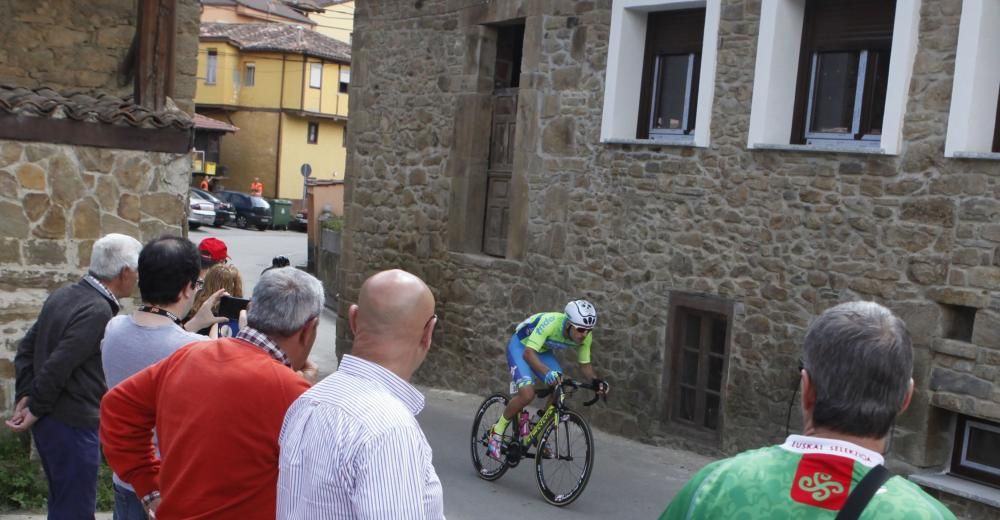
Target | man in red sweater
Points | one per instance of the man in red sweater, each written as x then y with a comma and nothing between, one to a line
217,407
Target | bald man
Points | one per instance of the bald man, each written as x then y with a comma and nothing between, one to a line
351,446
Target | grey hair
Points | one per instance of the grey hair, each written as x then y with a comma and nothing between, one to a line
284,299
112,253
859,358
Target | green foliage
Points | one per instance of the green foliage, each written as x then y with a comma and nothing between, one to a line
22,483
22,480
334,223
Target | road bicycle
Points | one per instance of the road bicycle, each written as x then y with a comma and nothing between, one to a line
562,441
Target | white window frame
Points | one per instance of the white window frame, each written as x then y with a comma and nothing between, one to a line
623,80
972,118
345,77
211,66
776,72
251,74
315,75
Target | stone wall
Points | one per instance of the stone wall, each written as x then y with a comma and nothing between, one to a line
68,44
782,234
55,201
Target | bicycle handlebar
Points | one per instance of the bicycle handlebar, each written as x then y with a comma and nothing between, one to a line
567,382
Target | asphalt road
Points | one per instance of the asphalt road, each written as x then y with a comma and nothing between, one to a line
630,480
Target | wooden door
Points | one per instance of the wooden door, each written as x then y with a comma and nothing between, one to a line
501,165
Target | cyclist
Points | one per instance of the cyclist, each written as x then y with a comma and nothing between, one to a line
530,356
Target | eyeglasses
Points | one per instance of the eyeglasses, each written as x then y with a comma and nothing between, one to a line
582,330
429,320
198,284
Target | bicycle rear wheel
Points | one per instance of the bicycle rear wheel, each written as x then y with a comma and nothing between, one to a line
564,459
489,412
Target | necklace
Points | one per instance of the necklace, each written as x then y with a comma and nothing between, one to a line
162,312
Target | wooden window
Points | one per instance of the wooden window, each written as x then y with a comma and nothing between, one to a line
976,455
251,74
699,347
211,67
996,128
315,75
345,80
843,71
668,100
312,135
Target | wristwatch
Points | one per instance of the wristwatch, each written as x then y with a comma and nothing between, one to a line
148,499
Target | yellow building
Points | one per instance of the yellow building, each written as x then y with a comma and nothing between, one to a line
251,11
336,19
285,87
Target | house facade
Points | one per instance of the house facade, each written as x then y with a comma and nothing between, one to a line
255,11
712,175
334,19
95,135
285,87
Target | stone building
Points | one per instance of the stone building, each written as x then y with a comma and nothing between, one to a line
712,174
94,139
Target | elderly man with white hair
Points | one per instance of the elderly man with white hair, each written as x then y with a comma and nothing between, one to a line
60,380
217,407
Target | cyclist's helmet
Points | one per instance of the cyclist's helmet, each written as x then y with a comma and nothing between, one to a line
581,313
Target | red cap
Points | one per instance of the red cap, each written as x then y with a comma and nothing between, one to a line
214,249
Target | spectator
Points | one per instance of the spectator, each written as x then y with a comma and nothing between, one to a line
220,277
857,362
256,187
276,263
217,408
204,184
168,281
340,460
213,251
59,378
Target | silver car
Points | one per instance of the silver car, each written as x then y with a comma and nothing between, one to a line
200,212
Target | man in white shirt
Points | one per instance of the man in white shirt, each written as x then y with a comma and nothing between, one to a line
351,446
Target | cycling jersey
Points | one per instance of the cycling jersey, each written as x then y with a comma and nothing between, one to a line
547,331
806,477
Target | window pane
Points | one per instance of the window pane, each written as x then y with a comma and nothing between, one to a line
984,448
715,373
211,66
879,84
834,87
315,75
685,408
692,331
689,368
719,336
671,97
712,411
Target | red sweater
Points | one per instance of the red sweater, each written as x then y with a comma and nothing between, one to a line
217,407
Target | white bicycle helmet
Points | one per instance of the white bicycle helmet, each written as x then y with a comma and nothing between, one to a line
581,313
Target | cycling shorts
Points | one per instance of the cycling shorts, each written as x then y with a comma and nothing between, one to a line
521,373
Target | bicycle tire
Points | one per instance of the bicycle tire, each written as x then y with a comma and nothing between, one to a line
486,467
563,447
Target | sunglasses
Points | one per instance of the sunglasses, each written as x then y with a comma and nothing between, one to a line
582,330
198,284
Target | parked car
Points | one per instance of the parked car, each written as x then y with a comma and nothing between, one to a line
251,210
224,211
300,222
200,212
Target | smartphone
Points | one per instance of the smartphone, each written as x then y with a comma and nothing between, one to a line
230,307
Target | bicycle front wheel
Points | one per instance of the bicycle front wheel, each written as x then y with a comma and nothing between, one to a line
564,459
489,412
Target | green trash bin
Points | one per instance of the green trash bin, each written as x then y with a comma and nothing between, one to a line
281,213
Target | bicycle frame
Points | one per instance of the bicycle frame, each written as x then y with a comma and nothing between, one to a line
551,414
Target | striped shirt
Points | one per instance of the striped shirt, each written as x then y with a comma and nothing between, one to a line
351,448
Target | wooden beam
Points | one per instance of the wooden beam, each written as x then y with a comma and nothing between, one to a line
71,132
154,58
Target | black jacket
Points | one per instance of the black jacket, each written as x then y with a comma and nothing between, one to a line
58,362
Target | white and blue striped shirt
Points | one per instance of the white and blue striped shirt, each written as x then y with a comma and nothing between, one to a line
352,448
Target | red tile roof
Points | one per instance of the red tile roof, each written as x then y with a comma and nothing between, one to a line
207,123
92,107
277,37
